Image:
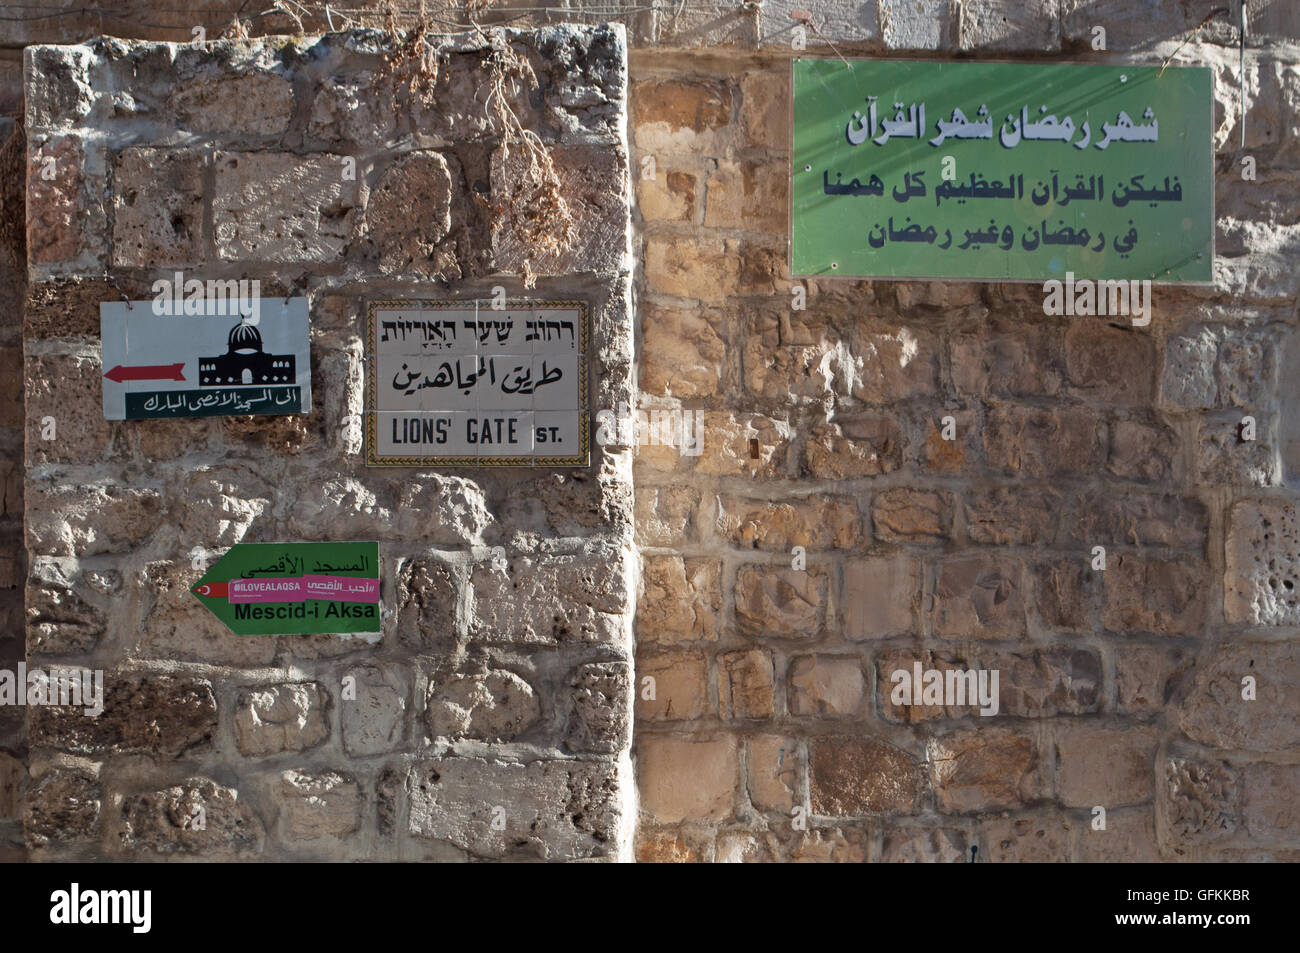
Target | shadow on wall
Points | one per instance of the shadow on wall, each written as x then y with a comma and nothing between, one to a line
13,289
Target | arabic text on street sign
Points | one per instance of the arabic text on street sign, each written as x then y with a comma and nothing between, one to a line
217,362
294,588
1000,171
459,383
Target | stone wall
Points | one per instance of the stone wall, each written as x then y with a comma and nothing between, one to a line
758,686
492,717
1119,688
13,281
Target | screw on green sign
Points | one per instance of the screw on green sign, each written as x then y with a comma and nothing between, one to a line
1002,171
294,588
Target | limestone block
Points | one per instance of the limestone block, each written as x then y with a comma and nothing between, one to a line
167,821
285,717
281,207
554,810
165,716
318,804
850,776
983,770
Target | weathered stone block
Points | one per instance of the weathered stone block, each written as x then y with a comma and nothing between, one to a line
671,116
1146,675
851,776
60,620
1129,837
276,206
493,705
158,207
1106,518
177,627
426,602
665,515
705,269
772,773
680,599
667,197
1010,25
1066,590
880,597
165,716
747,194
593,183
663,847
552,599
917,25
1009,359
1202,800
1112,767
13,777
797,357
893,363
983,770
830,845
1141,450
907,515
601,696
1038,683
168,821
374,720
825,523
940,845
359,107
1040,443
683,353
557,810
318,804
57,216
61,806
1161,596
1260,586
408,215
1225,458
745,684
217,505
1111,363
827,686
938,454
979,597
1214,712
765,109
293,716
65,419
65,93
1012,516
681,687
86,520
1214,367
680,780
743,445
856,446
1028,840
780,602
251,102
1268,804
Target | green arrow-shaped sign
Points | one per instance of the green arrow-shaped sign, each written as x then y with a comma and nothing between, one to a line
294,588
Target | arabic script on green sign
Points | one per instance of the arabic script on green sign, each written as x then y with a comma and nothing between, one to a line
294,588
998,171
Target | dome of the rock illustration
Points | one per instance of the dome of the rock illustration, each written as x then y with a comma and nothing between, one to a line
244,337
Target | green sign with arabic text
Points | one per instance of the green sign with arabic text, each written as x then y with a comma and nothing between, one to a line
907,169
294,588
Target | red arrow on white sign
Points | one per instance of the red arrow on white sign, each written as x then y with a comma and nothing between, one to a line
147,372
